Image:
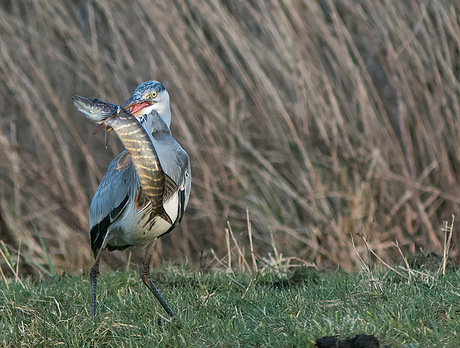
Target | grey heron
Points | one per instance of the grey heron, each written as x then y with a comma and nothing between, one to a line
122,214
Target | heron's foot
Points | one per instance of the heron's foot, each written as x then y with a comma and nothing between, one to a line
171,321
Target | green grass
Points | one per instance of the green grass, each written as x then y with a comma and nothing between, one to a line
231,310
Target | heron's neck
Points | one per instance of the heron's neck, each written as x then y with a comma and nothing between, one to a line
164,110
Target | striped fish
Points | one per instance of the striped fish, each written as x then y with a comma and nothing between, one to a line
155,183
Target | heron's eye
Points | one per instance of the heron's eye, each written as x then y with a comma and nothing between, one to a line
150,95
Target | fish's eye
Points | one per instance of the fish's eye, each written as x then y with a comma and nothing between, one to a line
153,95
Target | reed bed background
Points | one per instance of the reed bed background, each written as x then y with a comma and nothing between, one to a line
317,119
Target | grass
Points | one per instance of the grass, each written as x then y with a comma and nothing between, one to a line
232,310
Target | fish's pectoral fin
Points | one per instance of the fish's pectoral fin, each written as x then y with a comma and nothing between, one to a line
124,161
141,200
106,138
100,127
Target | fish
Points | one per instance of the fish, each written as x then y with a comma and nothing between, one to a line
136,140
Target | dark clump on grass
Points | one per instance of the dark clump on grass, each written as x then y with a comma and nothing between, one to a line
359,341
231,310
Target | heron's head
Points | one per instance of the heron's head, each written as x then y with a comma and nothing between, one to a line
148,96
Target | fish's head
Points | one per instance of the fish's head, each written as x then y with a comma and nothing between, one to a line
94,109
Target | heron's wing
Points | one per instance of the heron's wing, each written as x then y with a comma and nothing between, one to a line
118,186
177,168
176,165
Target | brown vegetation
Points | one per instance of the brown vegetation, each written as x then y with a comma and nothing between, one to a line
321,118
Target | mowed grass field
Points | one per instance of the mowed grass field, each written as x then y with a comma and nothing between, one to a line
224,309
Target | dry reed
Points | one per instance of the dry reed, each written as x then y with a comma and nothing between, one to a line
321,118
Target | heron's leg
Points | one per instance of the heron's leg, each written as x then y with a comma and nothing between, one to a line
145,276
94,274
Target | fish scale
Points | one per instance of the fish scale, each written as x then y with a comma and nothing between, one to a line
136,140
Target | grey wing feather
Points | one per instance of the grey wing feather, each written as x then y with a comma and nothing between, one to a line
177,166
174,161
173,158
112,196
